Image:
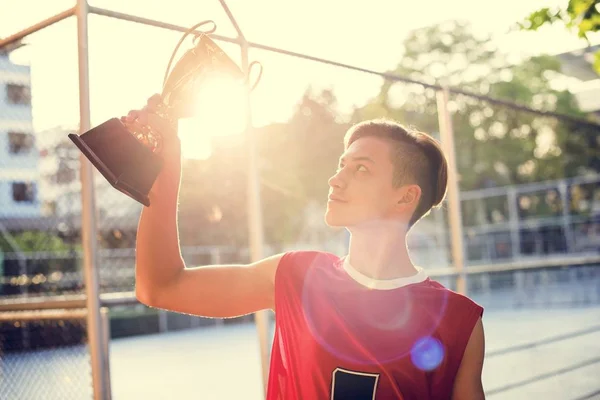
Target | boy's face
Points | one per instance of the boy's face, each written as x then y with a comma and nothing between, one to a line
361,191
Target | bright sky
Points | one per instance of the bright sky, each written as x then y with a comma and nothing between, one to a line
127,61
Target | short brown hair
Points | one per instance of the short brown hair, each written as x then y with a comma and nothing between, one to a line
417,158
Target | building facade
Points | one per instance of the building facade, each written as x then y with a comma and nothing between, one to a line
19,158
578,64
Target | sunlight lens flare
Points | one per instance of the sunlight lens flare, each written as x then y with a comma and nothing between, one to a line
220,110
427,354
389,325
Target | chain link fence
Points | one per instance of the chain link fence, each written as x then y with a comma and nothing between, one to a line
44,355
530,190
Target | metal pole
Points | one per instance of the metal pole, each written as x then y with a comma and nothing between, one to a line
233,21
163,321
37,315
66,302
255,220
88,213
105,315
152,22
12,39
255,226
513,218
566,216
454,214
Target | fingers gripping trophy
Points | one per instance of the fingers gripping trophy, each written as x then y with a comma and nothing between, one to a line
129,155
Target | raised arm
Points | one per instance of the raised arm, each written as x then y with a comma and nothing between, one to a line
162,278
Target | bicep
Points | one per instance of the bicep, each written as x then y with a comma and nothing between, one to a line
223,291
467,384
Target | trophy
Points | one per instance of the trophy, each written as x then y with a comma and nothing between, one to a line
131,161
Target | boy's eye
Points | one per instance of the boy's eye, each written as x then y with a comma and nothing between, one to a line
361,168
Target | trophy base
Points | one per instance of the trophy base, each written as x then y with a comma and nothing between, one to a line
125,163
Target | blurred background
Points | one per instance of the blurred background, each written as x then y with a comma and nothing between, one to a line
524,99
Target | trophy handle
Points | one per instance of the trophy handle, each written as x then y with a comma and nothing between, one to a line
255,84
206,32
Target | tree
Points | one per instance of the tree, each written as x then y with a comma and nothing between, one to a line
496,145
213,197
30,241
318,132
298,157
37,268
582,16
295,160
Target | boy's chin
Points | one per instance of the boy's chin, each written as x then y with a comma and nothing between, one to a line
334,221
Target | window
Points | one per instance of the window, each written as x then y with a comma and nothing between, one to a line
18,94
19,143
23,192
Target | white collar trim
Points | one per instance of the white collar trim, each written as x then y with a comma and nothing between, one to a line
383,284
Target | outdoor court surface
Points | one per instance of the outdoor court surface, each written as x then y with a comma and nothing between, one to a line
223,362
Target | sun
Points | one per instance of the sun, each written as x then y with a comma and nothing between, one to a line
220,110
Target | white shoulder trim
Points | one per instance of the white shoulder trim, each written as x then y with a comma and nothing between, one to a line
384,284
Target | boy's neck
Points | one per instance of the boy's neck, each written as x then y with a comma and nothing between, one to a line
378,250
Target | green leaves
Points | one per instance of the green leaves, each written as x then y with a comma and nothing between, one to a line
582,16
34,241
538,18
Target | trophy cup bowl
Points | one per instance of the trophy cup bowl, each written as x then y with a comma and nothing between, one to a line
131,161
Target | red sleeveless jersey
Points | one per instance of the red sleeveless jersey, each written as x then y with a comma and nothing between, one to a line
340,335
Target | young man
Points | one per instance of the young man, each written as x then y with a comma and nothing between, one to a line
370,325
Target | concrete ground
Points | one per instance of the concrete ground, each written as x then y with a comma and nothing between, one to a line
531,354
